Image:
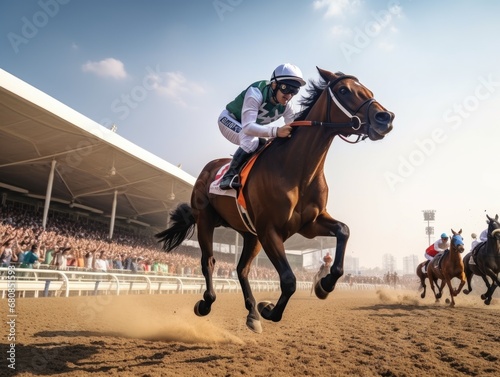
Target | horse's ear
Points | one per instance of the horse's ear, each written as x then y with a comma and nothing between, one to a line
489,218
326,75
496,217
453,232
460,232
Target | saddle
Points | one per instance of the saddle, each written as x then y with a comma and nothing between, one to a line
437,260
476,248
243,175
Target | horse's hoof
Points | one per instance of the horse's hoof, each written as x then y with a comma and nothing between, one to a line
422,295
265,308
487,301
201,308
320,292
483,297
438,296
447,301
466,291
254,325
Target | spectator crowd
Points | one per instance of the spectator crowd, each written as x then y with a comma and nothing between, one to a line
75,244
70,244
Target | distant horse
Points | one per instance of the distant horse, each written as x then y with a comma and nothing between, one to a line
447,266
486,261
324,269
423,275
285,193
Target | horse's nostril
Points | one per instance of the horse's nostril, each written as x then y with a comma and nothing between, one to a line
383,117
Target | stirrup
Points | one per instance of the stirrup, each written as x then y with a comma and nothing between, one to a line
233,183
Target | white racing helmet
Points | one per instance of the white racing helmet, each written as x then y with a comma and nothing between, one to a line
289,74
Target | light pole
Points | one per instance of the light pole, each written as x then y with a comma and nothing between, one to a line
429,215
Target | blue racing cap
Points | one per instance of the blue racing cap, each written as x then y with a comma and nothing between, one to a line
444,235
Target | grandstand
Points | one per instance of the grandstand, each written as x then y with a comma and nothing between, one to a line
56,159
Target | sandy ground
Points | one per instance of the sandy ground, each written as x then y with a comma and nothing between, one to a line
352,333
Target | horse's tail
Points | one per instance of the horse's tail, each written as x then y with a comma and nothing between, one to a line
183,223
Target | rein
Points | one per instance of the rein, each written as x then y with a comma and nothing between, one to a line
354,124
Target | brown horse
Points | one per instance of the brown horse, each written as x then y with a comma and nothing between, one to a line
286,193
423,275
447,266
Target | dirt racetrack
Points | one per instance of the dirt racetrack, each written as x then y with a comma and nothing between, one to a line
352,333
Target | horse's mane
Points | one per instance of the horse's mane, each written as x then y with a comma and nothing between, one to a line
314,91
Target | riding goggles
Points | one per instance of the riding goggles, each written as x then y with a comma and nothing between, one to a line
288,89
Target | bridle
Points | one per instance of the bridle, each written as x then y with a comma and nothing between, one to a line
354,124
457,241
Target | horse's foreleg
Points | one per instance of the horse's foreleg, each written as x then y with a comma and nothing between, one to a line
325,225
275,250
489,293
251,248
452,291
463,279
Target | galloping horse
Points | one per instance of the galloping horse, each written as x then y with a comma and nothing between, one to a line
285,193
486,259
447,266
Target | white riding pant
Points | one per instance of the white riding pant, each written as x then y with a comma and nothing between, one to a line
231,130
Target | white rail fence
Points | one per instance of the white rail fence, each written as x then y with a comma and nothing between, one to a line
25,282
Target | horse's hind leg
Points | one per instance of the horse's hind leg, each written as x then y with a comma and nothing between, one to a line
423,286
433,281
251,248
468,277
205,239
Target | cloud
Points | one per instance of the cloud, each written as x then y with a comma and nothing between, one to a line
175,86
339,31
386,46
336,8
109,67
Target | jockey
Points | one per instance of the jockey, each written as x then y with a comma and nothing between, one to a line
327,259
263,102
437,247
474,242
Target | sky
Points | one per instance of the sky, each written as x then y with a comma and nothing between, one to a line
162,71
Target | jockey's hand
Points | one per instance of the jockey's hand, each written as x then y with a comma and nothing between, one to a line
285,131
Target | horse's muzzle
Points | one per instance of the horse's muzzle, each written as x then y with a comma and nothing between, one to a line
380,125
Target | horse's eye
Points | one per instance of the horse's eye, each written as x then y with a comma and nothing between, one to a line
343,90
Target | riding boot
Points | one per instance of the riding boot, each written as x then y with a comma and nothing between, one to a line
230,179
